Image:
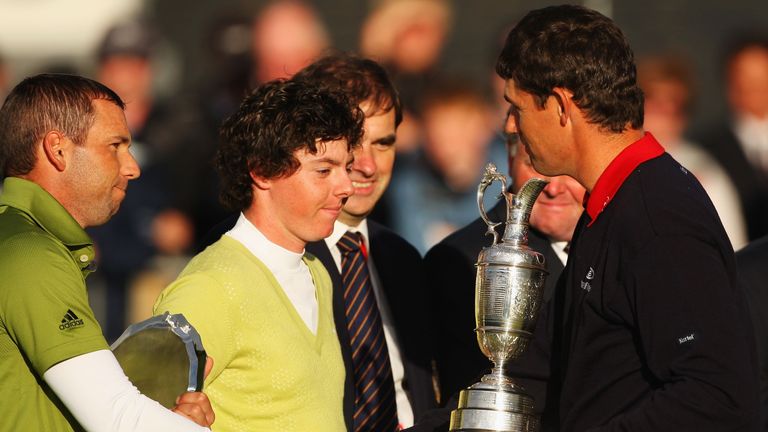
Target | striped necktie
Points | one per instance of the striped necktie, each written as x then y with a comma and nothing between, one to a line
375,408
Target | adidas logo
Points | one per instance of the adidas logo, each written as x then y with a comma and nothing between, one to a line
70,320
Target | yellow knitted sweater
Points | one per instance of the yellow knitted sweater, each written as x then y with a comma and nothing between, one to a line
270,373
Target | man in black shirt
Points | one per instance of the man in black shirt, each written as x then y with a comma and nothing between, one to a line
654,330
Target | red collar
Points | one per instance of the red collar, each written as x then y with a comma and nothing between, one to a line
646,148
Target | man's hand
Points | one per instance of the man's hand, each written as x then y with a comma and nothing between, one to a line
195,405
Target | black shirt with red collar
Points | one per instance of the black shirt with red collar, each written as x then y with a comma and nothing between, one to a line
655,331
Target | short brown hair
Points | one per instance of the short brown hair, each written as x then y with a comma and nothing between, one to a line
581,50
362,79
43,103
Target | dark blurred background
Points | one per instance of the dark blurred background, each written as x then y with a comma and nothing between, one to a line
697,29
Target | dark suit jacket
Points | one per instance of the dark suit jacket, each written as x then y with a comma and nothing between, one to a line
400,270
451,282
751,184
753,270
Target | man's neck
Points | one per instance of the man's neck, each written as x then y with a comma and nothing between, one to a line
598,150
350,221
57,188
274,232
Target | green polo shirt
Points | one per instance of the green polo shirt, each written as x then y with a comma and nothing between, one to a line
44,314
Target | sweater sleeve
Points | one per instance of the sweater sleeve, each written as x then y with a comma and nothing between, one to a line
692,327
208,306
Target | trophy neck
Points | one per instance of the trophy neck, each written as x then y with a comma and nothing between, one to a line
516,232
519,208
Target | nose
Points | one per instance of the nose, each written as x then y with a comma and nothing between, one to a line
364,161
129,168
510,125
555,186
344,187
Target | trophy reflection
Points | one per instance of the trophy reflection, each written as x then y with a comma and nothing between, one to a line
508,294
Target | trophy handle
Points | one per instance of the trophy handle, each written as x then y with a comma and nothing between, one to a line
490,175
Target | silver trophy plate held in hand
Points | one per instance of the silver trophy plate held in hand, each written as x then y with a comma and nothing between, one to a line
508,295
163,357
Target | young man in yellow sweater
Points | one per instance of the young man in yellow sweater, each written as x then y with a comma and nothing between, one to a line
262,306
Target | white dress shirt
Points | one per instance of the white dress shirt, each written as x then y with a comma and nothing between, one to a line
752,133
404,410
559,248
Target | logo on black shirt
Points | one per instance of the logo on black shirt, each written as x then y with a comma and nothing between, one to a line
70,320
586,286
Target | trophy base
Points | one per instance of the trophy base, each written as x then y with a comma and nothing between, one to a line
485,408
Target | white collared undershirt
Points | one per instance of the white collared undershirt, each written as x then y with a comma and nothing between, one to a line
289,269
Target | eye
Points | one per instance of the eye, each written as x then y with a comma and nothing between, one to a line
385,143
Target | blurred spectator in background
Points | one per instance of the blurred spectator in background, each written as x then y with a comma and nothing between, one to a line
667,82
741,144
434,192
283,37
172,234
287,35
229,52
407,37
129,241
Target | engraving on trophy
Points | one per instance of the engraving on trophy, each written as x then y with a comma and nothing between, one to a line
508,293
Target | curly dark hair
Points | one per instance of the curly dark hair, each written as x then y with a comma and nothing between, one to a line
277,119
362,79
581,50
43,103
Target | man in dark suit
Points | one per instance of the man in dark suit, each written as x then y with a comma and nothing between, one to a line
753,271
741,144
395,267
451,280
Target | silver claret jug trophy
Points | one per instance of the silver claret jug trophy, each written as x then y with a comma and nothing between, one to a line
508,295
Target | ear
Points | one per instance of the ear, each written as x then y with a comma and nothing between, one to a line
260,182
565,106
54,145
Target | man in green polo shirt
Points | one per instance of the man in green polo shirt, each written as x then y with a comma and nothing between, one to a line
65,160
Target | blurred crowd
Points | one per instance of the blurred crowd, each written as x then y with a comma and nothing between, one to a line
452,128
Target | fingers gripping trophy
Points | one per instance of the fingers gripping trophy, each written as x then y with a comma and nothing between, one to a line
508,294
